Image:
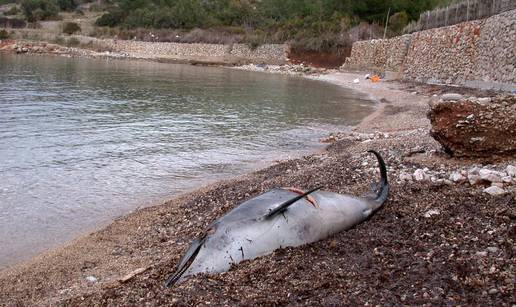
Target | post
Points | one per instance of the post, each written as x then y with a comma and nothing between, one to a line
467,12
386,23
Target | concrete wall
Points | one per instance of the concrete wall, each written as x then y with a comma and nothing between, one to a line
209,53
480,53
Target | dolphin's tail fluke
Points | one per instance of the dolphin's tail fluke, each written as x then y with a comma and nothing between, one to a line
382,188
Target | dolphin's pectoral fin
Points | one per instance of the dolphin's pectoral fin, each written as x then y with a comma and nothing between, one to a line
286,204
309,198
186,261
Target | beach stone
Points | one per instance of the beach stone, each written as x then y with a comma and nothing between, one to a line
511,170
431,212
457,177
451,97
481,254
484,100
495,191
490,176
497,184
492,249
474,179
492,291
405,176
91,279
420,175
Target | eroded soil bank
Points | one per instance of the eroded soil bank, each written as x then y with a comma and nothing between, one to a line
433,243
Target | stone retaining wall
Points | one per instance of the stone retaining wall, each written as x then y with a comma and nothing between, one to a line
210,53
480,53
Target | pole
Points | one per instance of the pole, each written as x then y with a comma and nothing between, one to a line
386,23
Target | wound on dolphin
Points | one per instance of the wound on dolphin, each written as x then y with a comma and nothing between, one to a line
278,218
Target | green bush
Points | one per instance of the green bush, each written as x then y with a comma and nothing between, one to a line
72,42
71,28
35,10
4,34
67,5
12,11
110,19
60,40
398,21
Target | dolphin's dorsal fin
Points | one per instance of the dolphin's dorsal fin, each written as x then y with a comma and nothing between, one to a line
281,208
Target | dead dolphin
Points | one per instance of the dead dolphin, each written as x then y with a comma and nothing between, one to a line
275,219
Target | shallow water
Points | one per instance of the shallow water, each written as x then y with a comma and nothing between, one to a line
83,141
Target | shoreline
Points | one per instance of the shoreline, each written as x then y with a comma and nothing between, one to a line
150,240
315,146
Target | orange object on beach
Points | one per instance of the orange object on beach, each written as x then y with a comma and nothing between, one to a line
375,78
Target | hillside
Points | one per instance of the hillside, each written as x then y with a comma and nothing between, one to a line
308,25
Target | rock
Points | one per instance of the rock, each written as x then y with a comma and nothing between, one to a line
431,212
489,175
468,129
91,279
474,179
405,176
451,97
511,170
497,184
507,179
457,177
492,249
492,291
481,254
484,100
420,175
495,191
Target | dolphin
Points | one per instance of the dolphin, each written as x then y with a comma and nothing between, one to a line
278,218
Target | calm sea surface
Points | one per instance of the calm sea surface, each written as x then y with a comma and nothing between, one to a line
83,141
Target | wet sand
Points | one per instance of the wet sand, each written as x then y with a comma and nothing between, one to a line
462,253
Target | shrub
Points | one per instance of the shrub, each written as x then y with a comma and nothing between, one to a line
35,10
59,40
72,42
398,21
71,28
110,19
67,5
12,11
4,34
12,22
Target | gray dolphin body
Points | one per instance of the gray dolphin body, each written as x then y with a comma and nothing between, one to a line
276,219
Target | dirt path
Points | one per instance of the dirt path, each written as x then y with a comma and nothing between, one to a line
432,243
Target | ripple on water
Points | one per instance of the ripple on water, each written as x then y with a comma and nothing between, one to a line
83,141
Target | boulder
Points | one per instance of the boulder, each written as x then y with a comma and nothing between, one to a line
451,97
511,170
495,191
467,129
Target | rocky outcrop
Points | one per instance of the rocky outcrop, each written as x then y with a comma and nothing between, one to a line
475,127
